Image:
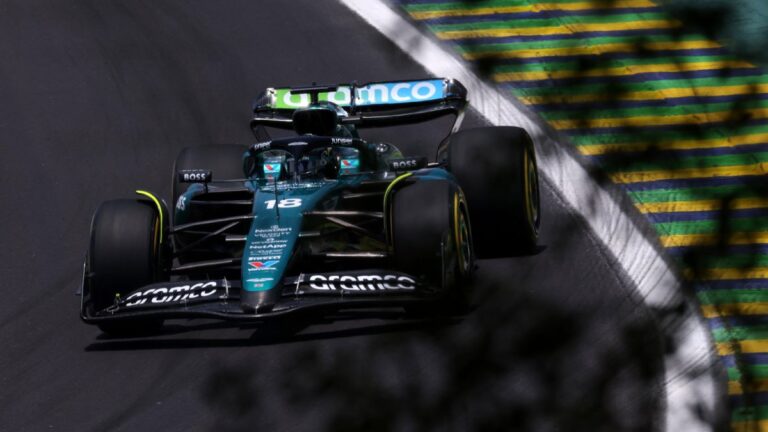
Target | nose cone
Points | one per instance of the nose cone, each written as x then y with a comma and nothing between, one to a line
259,301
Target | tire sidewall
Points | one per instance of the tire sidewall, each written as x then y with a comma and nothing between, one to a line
492,166
124,251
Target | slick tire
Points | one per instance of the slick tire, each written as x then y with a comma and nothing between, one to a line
124,255
431,239
224,160
496,168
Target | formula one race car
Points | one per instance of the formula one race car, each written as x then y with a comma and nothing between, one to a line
320,221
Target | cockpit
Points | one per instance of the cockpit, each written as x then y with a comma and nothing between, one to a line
327,163
326,148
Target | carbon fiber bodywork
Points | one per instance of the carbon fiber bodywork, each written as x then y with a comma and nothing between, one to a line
269,245
221,299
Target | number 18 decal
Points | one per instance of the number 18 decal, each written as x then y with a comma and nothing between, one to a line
283,203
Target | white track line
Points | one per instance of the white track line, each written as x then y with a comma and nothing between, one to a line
691,384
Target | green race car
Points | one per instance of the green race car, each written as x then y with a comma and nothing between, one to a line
320,221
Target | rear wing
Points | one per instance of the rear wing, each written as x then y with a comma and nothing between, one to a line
375,104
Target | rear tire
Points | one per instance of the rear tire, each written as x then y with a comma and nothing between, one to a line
496,168
124,255
426,217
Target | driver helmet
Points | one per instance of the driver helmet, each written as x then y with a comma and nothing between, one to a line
321,119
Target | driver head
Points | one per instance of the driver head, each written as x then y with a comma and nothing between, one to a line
321,119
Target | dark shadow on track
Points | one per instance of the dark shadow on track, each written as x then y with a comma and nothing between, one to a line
523,364
283,334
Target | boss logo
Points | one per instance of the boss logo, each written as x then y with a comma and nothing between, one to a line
407,164
195,176
402,165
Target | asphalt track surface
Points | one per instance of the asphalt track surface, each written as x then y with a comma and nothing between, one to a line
96,100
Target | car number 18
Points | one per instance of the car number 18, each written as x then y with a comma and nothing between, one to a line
283,203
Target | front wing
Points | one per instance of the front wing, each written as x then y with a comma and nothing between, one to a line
220,299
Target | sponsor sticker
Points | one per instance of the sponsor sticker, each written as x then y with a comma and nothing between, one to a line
266,249
263,265
173,294
383,282
259,282
406,164
263,258
195,176
372,94
181,204
272,231
261,146
290,186
342,141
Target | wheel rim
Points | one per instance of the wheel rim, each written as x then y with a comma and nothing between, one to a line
532,190
156,247
465,247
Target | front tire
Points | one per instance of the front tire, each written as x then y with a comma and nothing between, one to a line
124,254
431,238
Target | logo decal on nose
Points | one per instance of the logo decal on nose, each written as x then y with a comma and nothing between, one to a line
262,264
